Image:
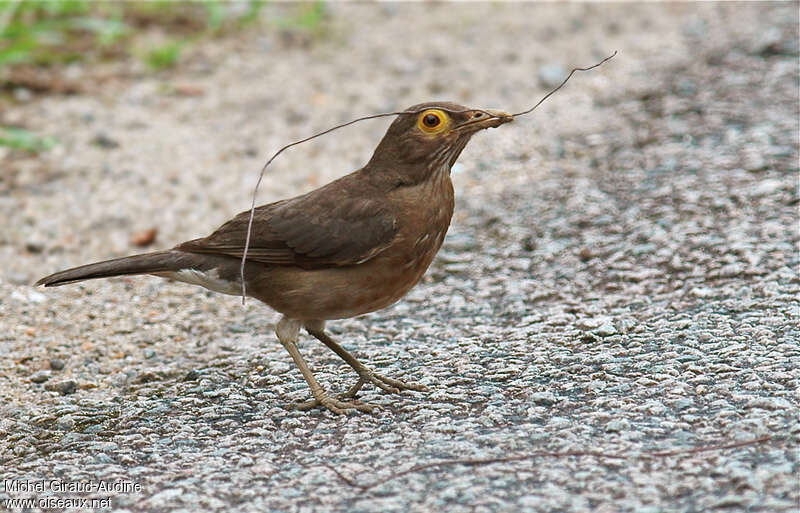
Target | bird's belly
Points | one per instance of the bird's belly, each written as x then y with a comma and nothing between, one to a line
340,292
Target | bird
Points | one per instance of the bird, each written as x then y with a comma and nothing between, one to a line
353,246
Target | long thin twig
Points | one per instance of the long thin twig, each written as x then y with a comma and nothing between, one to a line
548,95
545,454
384,114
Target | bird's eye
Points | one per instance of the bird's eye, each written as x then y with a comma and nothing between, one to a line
433,121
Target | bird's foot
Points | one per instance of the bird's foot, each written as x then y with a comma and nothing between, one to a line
389,385
341,405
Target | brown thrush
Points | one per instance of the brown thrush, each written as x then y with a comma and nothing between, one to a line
353,246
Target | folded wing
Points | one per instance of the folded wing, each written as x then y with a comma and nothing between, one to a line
311,231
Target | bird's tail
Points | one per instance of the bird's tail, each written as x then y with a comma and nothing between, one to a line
160,261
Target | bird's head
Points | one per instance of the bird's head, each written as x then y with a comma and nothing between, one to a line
429,137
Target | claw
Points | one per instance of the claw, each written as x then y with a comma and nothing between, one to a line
347,403
335,405
389,385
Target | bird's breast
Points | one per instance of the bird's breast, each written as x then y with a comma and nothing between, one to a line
425,211
423,214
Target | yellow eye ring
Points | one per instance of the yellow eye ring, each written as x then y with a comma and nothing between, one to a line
433,121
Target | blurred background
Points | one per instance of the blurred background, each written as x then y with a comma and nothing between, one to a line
117,119
133,117
621,270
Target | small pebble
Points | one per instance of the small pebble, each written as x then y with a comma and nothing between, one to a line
605,330
104,141
192,375
40,377
616,426
544,398
63,387
65,423
34,246
551,75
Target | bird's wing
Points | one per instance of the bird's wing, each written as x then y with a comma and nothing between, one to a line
312,231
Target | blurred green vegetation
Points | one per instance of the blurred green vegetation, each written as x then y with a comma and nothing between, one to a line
308,17
37,36
20,139
166,56
44,33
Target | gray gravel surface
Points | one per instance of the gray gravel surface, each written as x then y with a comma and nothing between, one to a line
621,275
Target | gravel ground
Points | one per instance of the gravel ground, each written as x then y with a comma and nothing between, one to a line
621,275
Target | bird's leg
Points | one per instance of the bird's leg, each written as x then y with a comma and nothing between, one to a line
365,375
287,331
